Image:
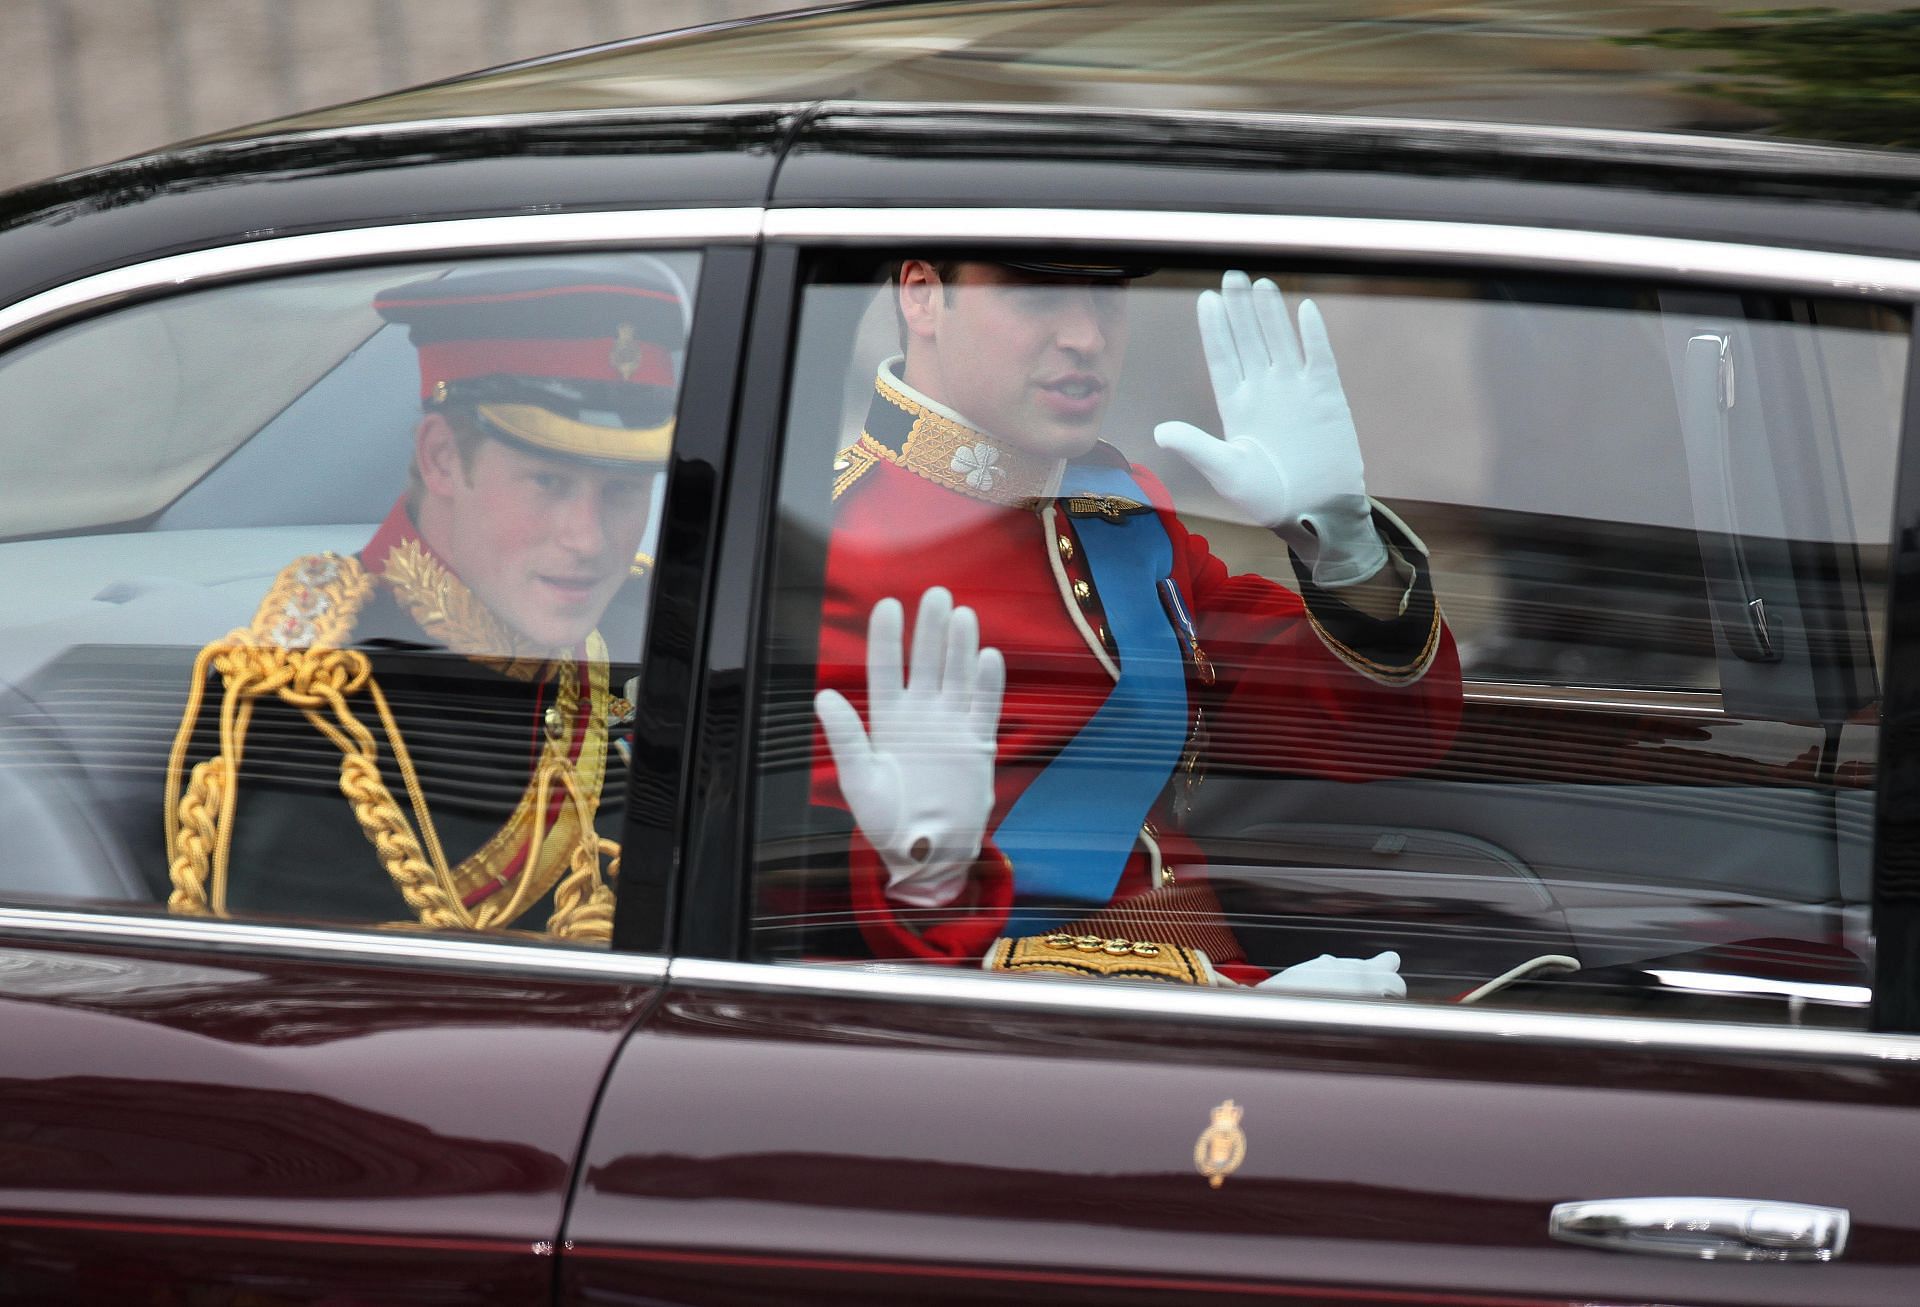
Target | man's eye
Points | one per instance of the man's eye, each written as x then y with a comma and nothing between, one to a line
551,482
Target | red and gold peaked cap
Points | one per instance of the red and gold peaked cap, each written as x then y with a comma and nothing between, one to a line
570,359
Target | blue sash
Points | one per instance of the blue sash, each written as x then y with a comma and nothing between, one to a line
1071,831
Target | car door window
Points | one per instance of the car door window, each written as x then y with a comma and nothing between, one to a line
326,593
1497,638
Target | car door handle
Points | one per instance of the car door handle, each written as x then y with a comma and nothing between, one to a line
1716,1229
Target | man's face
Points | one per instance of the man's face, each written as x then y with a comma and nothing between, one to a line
542,542
1029,358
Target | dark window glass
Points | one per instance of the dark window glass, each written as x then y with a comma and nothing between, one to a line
1500,624
325,593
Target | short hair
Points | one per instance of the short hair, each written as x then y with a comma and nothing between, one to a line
467,435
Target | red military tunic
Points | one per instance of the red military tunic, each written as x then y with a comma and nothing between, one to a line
1276,682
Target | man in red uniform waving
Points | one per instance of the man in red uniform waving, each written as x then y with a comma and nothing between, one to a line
1078,656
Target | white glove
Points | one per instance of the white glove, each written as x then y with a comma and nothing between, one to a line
1374,977
1290,459
920,783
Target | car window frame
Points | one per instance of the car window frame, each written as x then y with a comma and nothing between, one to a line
725,237
712,926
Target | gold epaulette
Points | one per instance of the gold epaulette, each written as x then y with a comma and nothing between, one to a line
1061,953
314,602
849,465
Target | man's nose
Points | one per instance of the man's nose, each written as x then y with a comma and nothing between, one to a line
1078,327
582,528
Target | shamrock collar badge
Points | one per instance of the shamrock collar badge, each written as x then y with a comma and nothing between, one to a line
980,464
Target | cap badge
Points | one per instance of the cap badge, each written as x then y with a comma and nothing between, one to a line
626,353
1222,1146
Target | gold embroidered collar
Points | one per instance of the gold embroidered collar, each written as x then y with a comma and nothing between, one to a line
950,451
452,614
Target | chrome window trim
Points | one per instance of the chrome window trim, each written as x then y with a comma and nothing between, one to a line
538,233
1483,244
381,947
1598,698
1373,238
910,984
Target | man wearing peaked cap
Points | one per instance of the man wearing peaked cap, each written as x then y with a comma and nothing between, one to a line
419,733
1078,657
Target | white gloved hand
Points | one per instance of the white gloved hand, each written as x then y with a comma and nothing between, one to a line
1374,977
1290,459
920,781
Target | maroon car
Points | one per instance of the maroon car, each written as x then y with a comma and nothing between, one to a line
1619,833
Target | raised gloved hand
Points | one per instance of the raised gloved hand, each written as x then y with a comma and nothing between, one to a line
1290,459
1374,977
919,777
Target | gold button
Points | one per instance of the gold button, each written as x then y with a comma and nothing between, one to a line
1066,546
553,722
842,464
1102,633
1082,591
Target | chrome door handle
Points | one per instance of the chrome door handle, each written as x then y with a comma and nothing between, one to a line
1716,1229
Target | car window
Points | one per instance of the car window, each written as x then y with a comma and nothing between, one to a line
327,592
1467,638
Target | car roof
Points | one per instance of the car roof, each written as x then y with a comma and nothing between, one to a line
1672,66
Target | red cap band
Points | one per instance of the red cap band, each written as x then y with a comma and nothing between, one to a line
645,363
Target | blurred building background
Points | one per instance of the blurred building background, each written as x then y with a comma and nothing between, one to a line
87,81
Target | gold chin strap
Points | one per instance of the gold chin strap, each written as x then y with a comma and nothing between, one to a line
545,429
292,651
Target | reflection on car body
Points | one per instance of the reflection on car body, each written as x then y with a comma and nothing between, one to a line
1625,375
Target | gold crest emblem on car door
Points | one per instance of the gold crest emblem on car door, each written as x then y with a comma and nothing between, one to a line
1222,1146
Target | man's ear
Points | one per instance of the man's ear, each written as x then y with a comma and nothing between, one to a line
922,294
436,451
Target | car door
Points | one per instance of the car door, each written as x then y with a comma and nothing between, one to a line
302,1105
1648,1052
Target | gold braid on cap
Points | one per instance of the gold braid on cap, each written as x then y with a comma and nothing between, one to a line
292,651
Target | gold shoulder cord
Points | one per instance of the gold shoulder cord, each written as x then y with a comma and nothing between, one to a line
292,651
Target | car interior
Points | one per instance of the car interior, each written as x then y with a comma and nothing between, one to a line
126,564
1640,783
